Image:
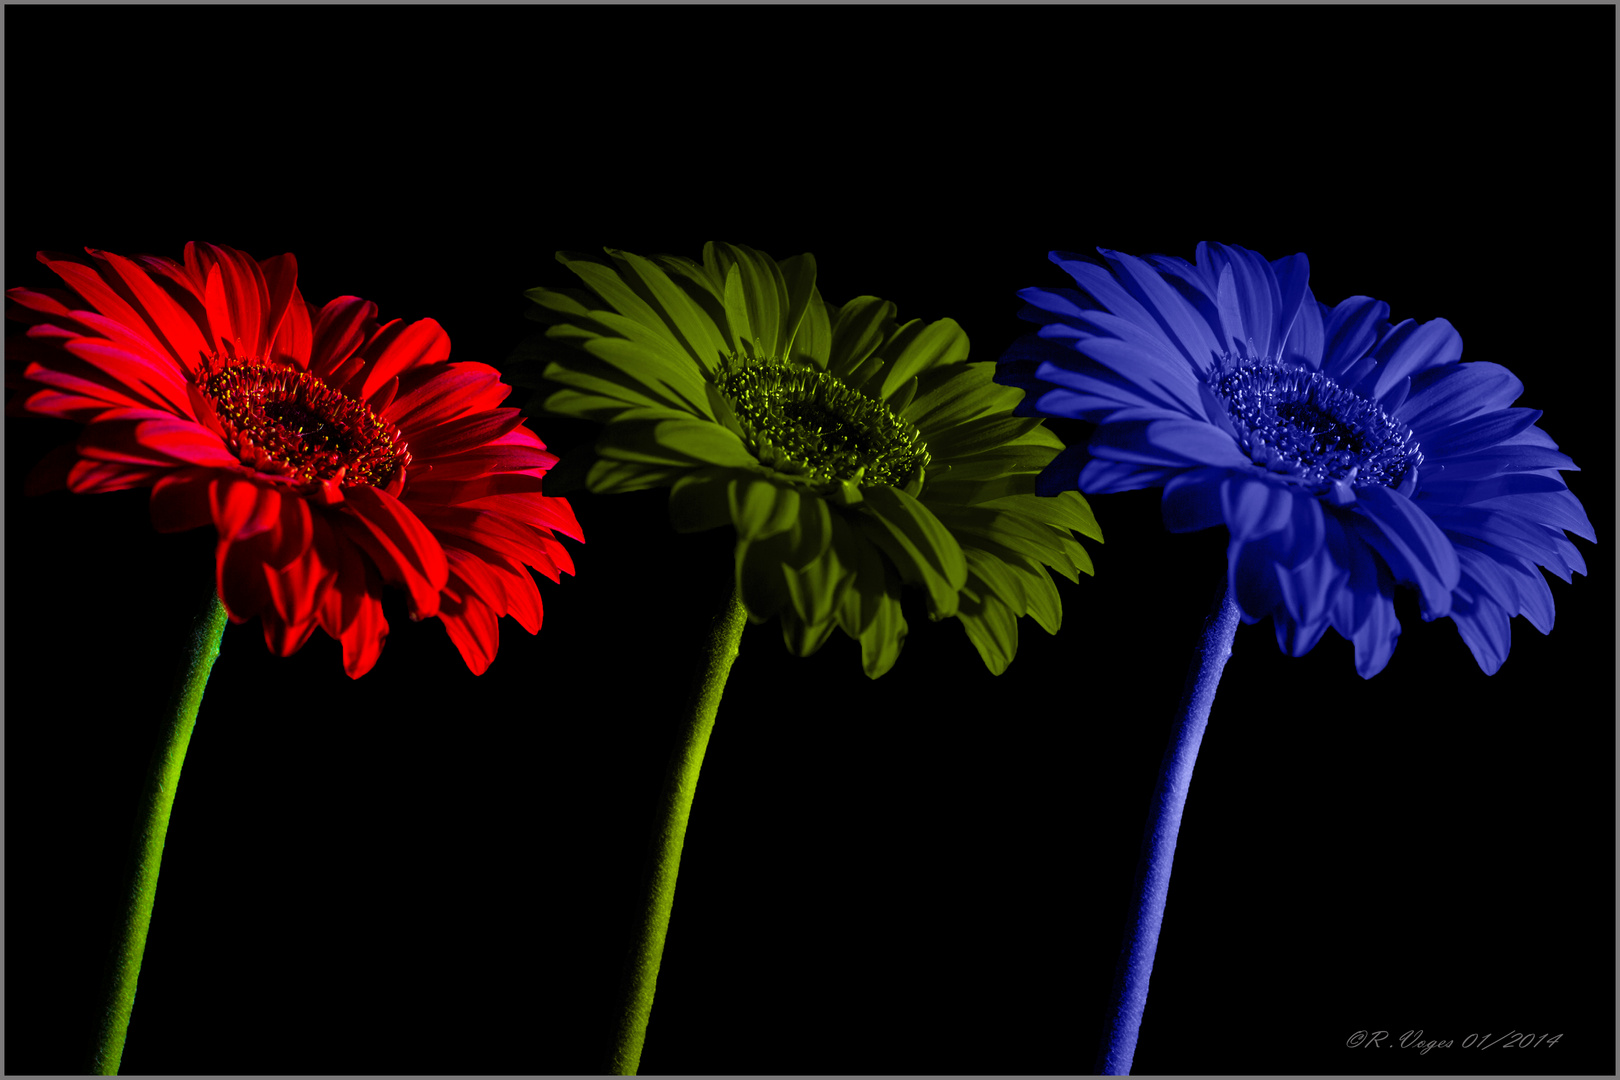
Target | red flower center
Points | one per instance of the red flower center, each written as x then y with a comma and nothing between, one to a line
289,423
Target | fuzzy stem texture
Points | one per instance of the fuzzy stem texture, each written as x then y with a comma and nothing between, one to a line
674,809
1135,968
151,826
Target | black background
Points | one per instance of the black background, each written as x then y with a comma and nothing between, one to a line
428,872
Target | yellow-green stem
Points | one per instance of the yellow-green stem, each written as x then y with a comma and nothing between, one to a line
674,809
152,825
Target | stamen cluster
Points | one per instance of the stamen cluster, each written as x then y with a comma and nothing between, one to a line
1302,422
289,423
806,422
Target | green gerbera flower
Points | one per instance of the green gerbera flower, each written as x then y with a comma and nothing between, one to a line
852,453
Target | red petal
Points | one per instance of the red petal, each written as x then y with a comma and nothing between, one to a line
283,638
238,303
297,588
458,436
352,612
167,324
398,348
460,389
340,329
493,459
153,379
96,477
447,493
41,301
87,283
182,500
404,549
281,289
296,337
50,473
149,437
245,514
475,629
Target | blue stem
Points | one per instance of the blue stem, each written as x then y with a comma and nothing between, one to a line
1135,968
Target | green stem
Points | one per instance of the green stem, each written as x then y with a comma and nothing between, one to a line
152,824
674,808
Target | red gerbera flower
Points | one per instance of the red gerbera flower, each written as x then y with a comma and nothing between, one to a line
332,452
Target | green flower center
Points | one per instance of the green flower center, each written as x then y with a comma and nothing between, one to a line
804,422
1301,422
289,423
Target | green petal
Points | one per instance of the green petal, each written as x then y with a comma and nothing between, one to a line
1009,529
608,477
994,464
978,436
947,397
1068,510
861,603
945,490
921,547
738,328
669,377
882,639
638,437
856,333
812,531
1041,600
799,273
803,639
993,629
761,579
684,320
813,343
934,345
818,588
760,508
701,500
605,282
763,288
989,576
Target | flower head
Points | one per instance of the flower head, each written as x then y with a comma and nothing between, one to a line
332,453
1344,454
851,453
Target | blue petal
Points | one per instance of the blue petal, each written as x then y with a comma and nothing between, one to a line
1192,500
1181,322
1163,440
1107,477
1463,492
1292,274
1257,296
1478,432
1410,349
1351,330
1251,574
1364,610
1538,543
1412,544
1554,509
1308,591
1253,507
1506,458
1305,340
1447,395
1484,628
1517,587
1294,637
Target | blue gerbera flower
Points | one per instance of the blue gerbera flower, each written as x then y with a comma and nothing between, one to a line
1345,454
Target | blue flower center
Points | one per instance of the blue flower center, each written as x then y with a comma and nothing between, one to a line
1301,423
804,422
